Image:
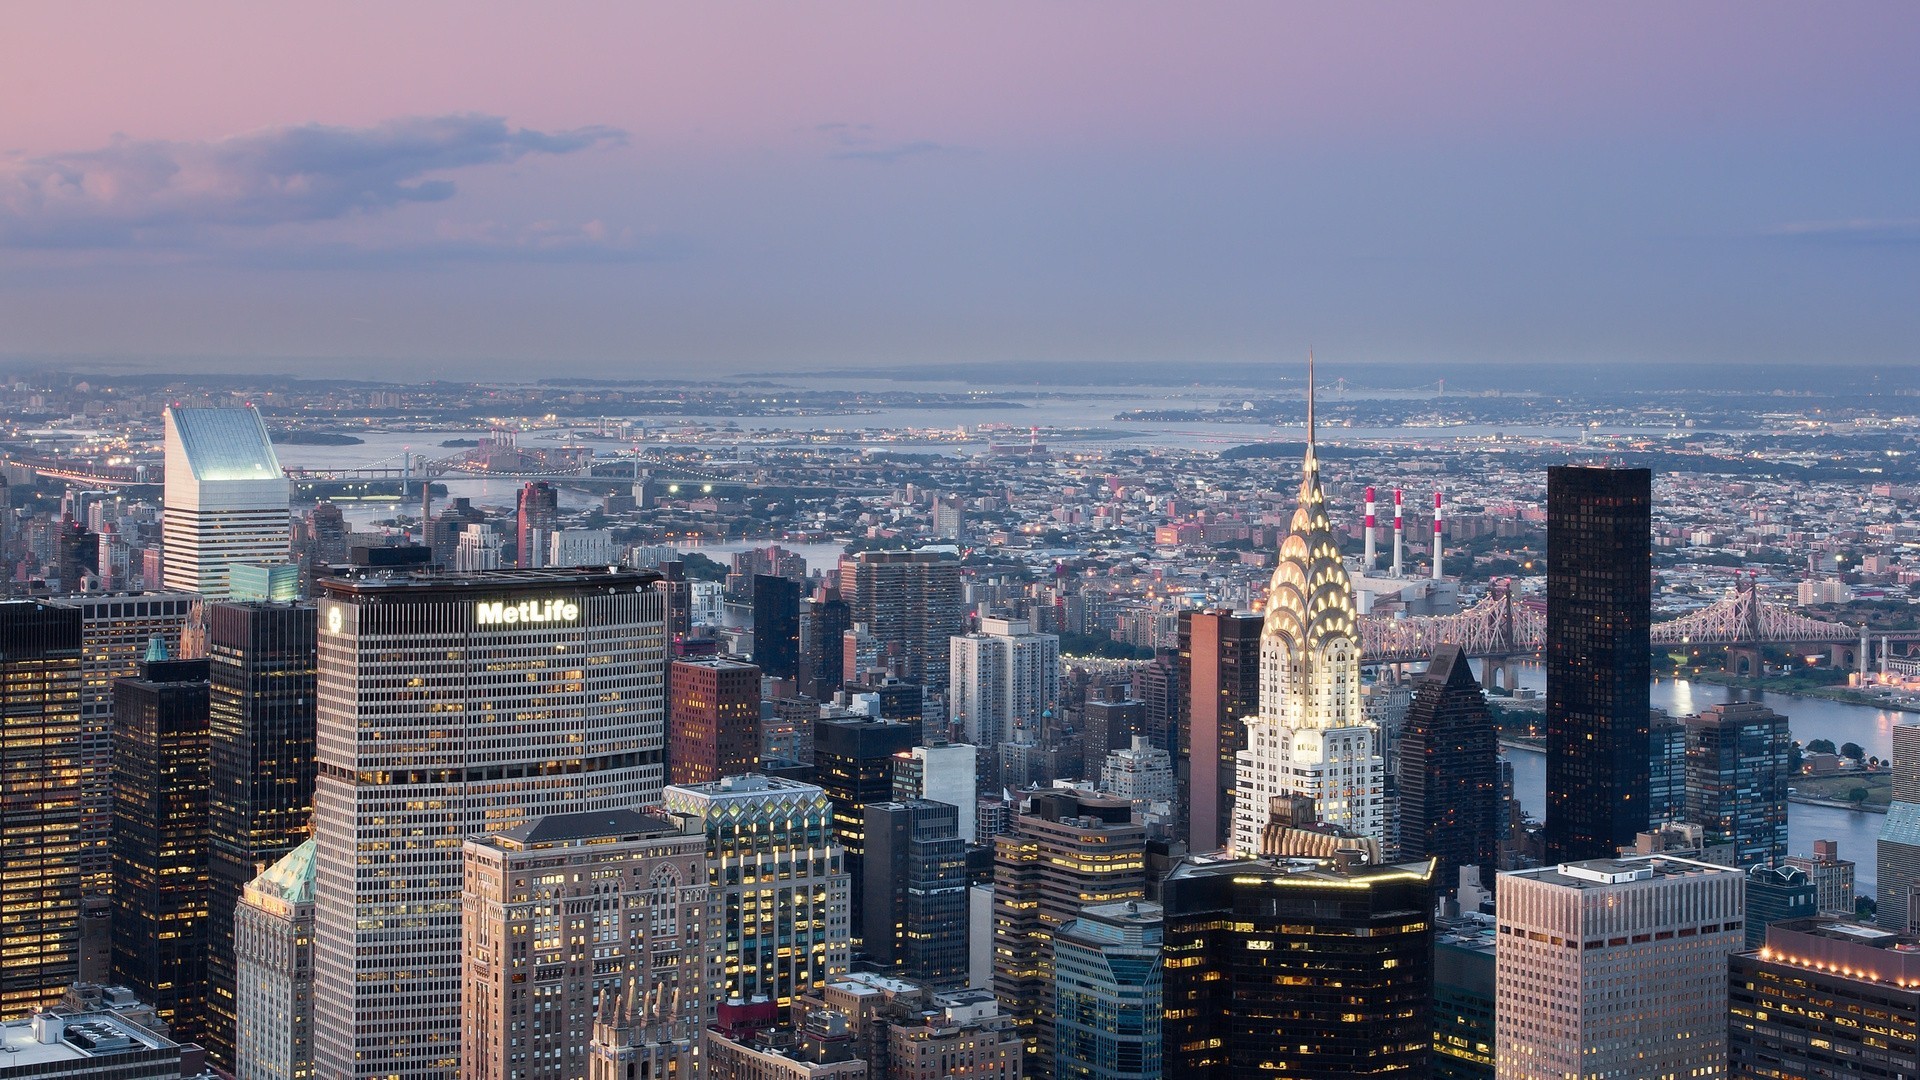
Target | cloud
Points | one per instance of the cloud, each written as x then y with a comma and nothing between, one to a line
152,193
1852,231
860,142
477,242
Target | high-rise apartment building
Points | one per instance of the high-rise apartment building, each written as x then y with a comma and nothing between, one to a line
117,631
260,752
1141,775
964,1034
1449,765
1598,658
273,971
781,881
713,719
909,601
853,761
776,625
1066,851
1219,665
942,772
560,915
1004,676
537,519
914,876
159,844
1311,735
1737,779
1825,998
1832,877
1615,967
1107,994
41,814
452,707
1297,968
226,499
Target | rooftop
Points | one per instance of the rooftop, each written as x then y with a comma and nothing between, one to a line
1611,873
75,1038
290,879
557,830
225,444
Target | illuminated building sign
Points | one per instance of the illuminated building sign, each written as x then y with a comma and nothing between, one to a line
499,613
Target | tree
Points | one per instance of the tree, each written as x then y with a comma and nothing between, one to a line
1852,752
1857,795
1821,746
1796,759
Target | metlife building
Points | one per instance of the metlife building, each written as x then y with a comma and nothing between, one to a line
453,706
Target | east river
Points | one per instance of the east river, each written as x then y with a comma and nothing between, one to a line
1809,718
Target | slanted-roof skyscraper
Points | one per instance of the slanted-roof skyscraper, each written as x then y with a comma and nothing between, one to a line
1311,736
1450,771
226,499
1598,653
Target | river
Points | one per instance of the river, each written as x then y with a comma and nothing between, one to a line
1808,718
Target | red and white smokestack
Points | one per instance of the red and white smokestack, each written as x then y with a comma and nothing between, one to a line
1399,532
1436,535
1367,564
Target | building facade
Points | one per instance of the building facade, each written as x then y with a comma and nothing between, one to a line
1107,994
1598,658
1825,998
273,971
1737,779
853,761
915,880
1004,677
453,707
1615,967
909,601
226,499
943,772
1449,772
1219,664
713,720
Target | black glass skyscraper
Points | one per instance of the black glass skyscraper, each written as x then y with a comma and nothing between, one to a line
262,756
1599,604
1449,778
776,625
915,884
159,842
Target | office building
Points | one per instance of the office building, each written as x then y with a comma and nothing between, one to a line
964,1034
273,971
1463,993
260,753
942,772
1599,614
1737,779
226,499
1066,851
1897,852
537,519
1776,894
756,1050
1004,677
853,763
582,547
713,719
638,1033
263,581
1219,664
824,621
1666,770
1107,994
1615,967
910,602
1141,775
117,630
159,842
1298,968
41,813
1449,771
1311,736
545,950
863,1005
1825,998
1109,723
69,1045
914,876
453,707
1832,877
776,625
781,880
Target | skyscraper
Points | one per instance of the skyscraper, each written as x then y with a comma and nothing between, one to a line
262,703
1219,665
776,625
40,804
914,875
160,840
452,707
1737,779
1003,678
538,519
226,499
1303,969
1897,851
1825,998
1615,967
853,763
782,883
645,914
1107,994
910,601
1311,736
1066,851
1598,658
713,720
1450,771
1666,770
273,971
943,772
